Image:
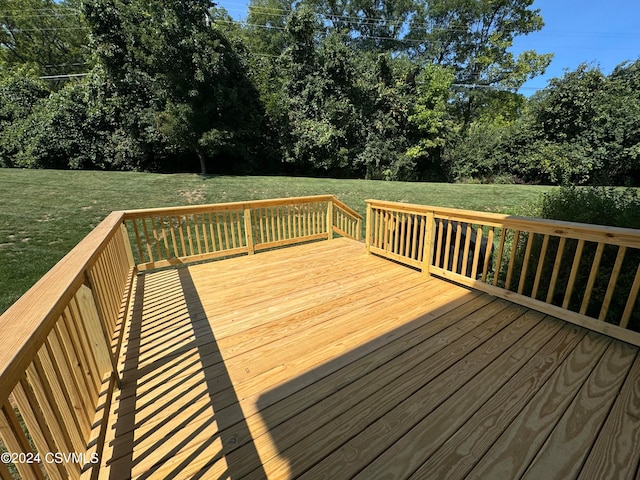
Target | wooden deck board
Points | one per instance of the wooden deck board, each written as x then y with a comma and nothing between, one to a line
319,361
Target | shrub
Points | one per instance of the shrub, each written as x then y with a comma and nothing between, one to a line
594,205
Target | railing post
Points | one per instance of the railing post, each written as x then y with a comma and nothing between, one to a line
248,230
367,226
330,219
428,244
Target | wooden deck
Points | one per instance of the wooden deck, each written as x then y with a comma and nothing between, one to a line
320,361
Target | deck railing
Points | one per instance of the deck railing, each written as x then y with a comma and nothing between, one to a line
57,362
169,236
586,274
61,340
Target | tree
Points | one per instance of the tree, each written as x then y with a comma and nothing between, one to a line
473,37
429,116
173,64
52,35
370,25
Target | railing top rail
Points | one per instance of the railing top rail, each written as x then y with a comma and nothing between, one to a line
628,237
347,208
25,324
132,214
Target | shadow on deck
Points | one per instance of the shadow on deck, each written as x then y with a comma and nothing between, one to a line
322,362
174,386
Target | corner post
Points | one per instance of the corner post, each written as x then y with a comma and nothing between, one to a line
367,226
248,230
330,219
428,244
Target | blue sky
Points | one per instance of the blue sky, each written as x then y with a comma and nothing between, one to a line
602,32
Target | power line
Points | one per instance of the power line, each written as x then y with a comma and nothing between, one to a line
61,77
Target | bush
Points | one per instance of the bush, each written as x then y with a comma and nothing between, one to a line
594,205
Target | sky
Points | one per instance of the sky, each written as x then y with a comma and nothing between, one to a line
601,32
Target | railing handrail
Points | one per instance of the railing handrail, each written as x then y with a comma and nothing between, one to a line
133,214
347,208
620,236
26,323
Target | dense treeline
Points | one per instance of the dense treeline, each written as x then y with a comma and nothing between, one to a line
393,89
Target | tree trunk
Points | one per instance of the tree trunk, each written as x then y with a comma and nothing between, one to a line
203,162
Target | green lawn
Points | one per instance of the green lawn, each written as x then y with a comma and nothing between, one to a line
44,213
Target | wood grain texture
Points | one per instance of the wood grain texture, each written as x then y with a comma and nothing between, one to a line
320,361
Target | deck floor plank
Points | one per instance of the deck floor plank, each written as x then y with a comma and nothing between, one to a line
457,456
319,361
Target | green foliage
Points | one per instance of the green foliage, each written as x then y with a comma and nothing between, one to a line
429,116
595,205
395,90
50,34
179,74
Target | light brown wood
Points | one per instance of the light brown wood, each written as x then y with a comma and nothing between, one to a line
16,442
574,272
556,269
613,455
225,359
525,262
613,280
631,300
496,273
574,433
592,278
512,257
309,374
541,260
594,233
37,425
518,446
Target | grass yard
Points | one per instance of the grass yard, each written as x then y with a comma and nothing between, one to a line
44,213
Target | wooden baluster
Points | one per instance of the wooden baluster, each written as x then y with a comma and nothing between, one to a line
225,227
401,234
447,246
164,236
422,240
525,262
512,257
574,273
232,226
476,253
205,237
612,283
16,442
631,300
456,247
440,229
183,243
196,231
58,398
465,255
212,236
592,278
43,394
543,253
429,234
556,270
37,426
248,229
496,274
487,255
